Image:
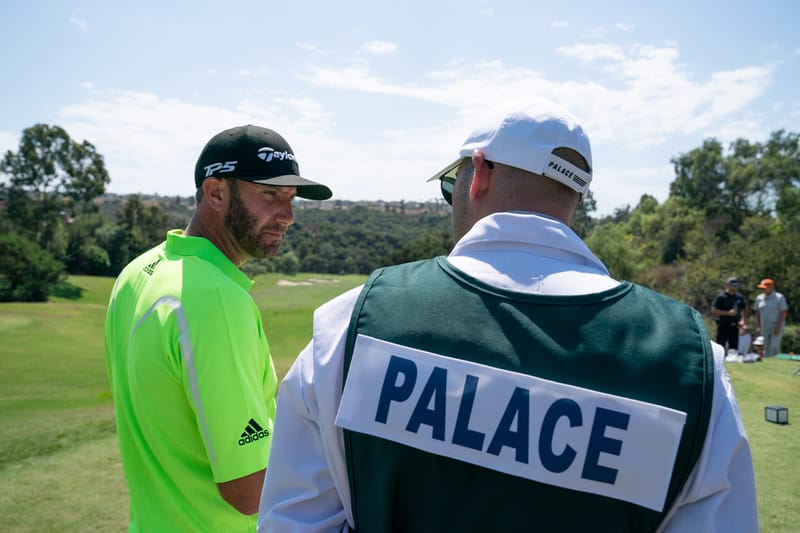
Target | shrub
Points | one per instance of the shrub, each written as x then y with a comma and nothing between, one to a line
790,343
28,273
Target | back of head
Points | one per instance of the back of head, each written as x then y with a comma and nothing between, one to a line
531,139
546,154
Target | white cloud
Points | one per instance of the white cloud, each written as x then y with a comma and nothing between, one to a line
616,186
749,126
624,27
309,47
8,141
560,24
149,144
253,73
636,100
79,23
379,48
645,97
591,52
594,33
651,97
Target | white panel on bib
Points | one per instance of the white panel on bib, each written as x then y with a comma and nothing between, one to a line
522,425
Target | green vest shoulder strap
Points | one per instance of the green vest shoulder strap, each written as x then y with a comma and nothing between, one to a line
629,342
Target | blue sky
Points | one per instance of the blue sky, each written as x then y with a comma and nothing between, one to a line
374,97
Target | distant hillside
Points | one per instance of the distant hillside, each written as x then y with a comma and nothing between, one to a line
183,206
333,237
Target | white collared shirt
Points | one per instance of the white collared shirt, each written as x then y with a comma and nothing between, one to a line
306,487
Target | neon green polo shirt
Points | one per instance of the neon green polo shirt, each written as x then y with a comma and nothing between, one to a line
193,385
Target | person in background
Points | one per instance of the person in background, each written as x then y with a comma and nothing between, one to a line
771,311
758,347
730,310
512,385
745,339
191,374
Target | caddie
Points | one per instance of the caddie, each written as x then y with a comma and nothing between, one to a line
513,385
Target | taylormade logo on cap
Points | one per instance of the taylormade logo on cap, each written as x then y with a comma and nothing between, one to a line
267,154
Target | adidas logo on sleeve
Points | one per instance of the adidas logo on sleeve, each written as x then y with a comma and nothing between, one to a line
252,432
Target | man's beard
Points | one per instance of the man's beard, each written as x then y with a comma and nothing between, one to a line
243,225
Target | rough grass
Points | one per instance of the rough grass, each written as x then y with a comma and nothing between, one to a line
59,464
776,447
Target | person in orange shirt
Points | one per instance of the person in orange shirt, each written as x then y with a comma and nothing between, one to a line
771,310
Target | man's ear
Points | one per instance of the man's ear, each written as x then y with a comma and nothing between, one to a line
482,176
215,192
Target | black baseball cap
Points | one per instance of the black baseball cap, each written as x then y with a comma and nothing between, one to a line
255,154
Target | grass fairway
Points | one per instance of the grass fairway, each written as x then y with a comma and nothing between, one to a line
59,465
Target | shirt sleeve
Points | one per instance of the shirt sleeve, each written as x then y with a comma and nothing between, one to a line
720,494
306,488
231,384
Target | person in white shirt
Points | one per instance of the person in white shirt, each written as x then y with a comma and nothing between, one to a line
513,385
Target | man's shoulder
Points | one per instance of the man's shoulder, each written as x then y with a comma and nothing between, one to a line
411,265
403,271
663,301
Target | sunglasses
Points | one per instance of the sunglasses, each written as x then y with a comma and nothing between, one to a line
448,181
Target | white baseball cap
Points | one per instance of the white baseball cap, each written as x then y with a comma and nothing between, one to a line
526,140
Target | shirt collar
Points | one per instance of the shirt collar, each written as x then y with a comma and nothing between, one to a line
527,231
201,247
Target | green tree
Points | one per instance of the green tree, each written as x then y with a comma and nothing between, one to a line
287,263
114,240
431,244
50,178
700,176
583,222
28,273
614,248
780,165
144,225
85,253
751,179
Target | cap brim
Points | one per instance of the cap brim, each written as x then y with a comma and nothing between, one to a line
449,170
306,188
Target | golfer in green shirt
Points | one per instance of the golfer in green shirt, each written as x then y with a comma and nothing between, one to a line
188,360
